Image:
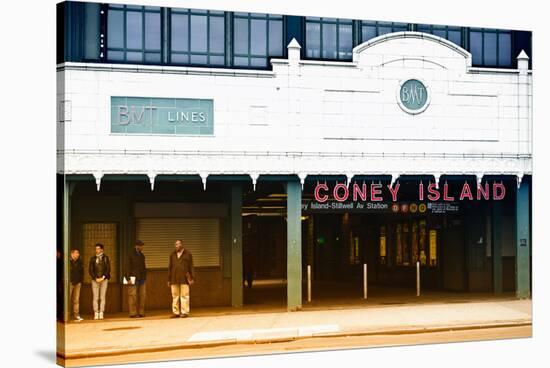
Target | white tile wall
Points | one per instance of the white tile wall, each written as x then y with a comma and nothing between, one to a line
313,107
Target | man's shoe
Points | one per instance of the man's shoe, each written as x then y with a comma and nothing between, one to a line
100,315
96,315
175,316
184,315
134,316
78,319
141,315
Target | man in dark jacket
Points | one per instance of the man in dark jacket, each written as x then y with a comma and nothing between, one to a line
77,276
100,272
181,274
135,276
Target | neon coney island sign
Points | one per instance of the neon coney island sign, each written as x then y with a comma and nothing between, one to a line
426,192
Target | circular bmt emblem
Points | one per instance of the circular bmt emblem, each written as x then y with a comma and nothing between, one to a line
413,96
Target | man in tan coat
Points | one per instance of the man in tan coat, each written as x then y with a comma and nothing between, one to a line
181,274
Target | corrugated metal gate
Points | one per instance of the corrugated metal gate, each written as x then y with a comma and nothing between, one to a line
200,235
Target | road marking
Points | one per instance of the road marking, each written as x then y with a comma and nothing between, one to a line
264,333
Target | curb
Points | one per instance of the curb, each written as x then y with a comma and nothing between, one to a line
217,343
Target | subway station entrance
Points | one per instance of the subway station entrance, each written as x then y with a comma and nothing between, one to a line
451,242
273,244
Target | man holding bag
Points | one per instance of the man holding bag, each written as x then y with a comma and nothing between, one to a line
135,276
181,274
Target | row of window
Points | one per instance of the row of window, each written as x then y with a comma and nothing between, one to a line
200,37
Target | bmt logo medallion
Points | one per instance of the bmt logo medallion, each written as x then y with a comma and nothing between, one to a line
413,96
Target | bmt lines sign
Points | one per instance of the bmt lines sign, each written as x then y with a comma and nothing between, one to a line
151,115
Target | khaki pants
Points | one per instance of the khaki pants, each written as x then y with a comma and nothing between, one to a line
136,299
74,297
180,298
99,292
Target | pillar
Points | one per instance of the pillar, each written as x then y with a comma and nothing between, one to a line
66,247
496,251
523,241
294,245
236,246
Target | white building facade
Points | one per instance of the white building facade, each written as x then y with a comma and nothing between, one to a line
407,104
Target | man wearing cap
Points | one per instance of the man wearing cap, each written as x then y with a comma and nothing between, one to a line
135,275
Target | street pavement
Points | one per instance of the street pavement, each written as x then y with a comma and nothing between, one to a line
160,333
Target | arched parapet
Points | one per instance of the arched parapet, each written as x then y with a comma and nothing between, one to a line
400,48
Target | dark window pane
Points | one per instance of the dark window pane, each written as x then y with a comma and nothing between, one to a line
259,62
152,57
258,37
115,29
345,41
152,31
490,48
180,40
241,36
400,27
217,60
456,37
134,30
423,28
217,35
384,30
440,33
329,41
504,49
115,55
134,56
368,32
91,31
476,48
180,58
240,61
199,59
276,38
313,40
198,33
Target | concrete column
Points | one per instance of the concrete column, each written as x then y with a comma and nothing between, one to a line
294,245
236,246
66,246
523,242
496,251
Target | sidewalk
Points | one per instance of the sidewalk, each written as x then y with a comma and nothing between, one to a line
114,337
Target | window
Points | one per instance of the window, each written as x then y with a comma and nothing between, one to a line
197,37
133,33
106,234
371,29
453,34
329,38
256,38
491,47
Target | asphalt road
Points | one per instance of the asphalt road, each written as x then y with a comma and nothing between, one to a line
312,344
